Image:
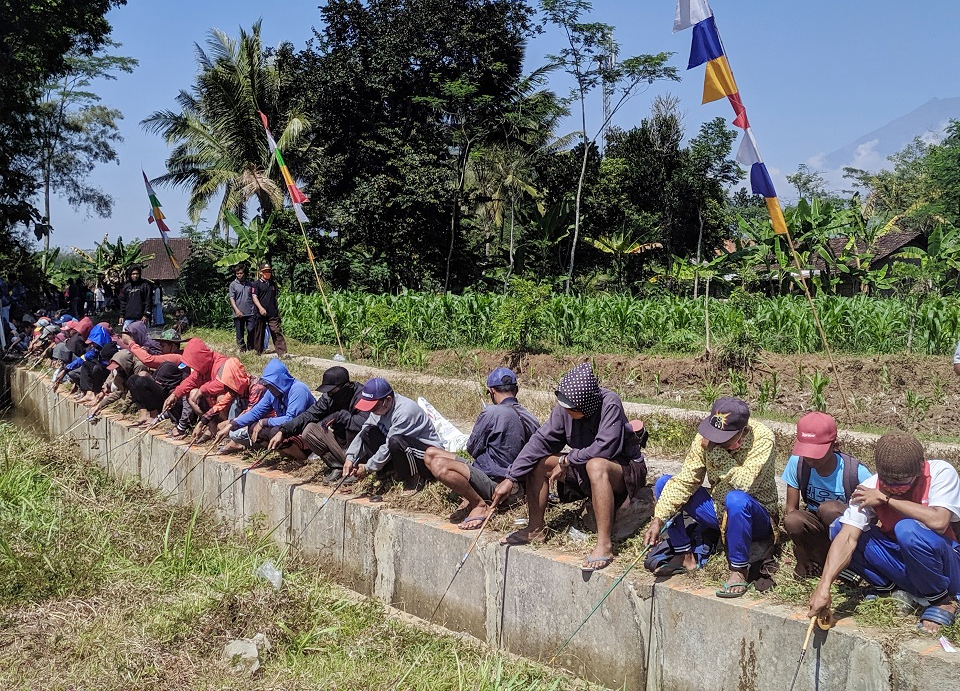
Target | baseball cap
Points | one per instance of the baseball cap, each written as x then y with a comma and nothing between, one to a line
502,376
816,433
72,324
727,417
332,378
373,392
169,335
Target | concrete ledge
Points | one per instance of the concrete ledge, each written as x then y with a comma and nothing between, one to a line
651,636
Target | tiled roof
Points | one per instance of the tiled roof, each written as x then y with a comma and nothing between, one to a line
160,268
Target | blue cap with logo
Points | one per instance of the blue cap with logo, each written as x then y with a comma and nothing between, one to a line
502,376
373,392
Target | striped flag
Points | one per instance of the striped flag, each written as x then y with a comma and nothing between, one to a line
156,215
707,48
296,196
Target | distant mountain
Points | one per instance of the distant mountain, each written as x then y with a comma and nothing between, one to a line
927,121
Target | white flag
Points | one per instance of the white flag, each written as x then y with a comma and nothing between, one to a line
690,12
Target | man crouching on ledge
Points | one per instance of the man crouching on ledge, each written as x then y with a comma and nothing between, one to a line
900,532
604,463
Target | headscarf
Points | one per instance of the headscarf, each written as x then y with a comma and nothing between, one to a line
138,330
580,387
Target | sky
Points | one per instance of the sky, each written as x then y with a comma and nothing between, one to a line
813,75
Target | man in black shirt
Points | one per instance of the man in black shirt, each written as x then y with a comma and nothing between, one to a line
136,298
264,294
329,425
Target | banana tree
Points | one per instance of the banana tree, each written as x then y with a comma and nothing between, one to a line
620,245
254,241
109,263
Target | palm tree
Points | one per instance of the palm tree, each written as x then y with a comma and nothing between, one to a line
219,145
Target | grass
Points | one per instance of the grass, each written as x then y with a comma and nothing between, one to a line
106,581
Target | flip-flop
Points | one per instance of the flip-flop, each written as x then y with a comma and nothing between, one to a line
668,570
592,564
944,614
472,523
515,539
731,590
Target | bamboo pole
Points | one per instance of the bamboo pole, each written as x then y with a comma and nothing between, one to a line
323,293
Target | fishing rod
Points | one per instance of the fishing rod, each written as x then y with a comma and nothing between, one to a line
636,561
30,388
142,433
325,501
83,418
244,472
463,560
196,465
823,622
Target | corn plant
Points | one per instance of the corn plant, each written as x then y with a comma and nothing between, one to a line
818,384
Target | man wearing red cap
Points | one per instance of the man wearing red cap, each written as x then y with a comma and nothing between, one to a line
825,477
738,458
397,431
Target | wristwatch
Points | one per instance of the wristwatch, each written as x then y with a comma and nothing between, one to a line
563,462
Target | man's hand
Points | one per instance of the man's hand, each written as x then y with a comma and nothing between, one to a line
236,313
820,603
126,338
361,471
275,440
199,430
169,403
263,312
556,474
868,497
350,467
504,489
651,535
255,431
223,429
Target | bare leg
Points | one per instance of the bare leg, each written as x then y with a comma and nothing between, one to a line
606,482
538,483
455,474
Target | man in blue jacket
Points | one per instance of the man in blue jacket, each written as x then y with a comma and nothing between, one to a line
285,399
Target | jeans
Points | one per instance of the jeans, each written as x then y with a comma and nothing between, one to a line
243,326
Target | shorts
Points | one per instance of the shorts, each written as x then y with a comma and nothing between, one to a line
575,483
483,484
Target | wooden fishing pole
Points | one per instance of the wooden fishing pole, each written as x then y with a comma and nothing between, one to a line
142,433
323,294
213,445
806,641
636,561
816,320
83,418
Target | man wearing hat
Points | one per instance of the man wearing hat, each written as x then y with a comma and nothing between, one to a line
501,431
397,432
263,292
737,456
900,531
328,426
825,478
604,462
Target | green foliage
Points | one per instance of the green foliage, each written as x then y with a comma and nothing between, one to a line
818,385
109,264
253,241
516,319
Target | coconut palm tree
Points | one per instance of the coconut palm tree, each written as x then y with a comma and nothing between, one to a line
219,145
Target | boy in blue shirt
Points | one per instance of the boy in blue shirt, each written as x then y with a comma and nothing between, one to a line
825,478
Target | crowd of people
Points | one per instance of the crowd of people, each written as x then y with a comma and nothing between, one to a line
893,531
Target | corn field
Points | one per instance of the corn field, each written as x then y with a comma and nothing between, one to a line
610,323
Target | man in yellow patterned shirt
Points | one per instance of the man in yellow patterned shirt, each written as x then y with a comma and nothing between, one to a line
738,459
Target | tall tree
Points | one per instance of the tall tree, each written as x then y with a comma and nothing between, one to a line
73,132
590,57
35,39
219,145
402,95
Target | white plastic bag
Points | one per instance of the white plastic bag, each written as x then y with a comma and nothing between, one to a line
453,439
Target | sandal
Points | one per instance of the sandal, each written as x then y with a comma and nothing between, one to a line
668,570
592,564
944,614
472,523
515,539
732,590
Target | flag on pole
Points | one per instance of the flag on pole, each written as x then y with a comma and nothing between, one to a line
156,215
707,48
296,196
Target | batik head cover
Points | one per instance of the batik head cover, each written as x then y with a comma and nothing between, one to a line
580,390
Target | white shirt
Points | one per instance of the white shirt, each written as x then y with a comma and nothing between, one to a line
944,492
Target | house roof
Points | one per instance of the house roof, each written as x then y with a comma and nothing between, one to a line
160,268
882,247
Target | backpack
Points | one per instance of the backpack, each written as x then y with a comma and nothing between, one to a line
851,477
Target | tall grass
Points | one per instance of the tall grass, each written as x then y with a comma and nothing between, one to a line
610,322
106,585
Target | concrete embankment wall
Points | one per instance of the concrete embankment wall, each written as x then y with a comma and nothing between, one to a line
647,635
